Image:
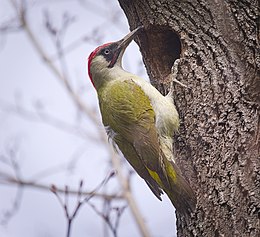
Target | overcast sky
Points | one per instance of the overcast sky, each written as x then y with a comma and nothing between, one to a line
26,81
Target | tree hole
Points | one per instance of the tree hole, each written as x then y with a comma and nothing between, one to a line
160,47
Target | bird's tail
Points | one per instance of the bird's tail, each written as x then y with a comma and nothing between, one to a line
179,190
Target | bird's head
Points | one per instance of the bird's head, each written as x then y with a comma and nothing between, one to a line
107,57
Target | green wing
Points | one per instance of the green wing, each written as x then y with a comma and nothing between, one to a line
128,112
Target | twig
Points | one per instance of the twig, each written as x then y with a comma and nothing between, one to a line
6,179
8,214
11,160
41,116
128,195
52,67
80,201
105,214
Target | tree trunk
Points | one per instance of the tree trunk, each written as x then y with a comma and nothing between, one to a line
217,147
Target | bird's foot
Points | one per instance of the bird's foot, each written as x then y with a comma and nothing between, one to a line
174,72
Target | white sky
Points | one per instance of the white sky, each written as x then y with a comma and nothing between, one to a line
25,79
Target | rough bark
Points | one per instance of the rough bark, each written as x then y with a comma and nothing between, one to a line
218,144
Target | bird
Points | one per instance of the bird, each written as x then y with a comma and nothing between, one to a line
140,121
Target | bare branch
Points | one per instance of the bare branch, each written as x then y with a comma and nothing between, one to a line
52,67
127,194
64,204
11,25
106,215
6,179
8,214
11,160
41,116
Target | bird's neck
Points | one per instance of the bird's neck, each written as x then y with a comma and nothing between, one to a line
104,75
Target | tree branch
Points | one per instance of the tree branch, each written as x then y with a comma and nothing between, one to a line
128,195
8,179
41,116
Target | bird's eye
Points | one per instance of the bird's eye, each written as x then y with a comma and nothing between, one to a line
106,51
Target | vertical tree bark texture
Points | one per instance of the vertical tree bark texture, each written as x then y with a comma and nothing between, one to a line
217,147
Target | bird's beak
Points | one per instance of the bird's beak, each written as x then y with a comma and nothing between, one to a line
122,45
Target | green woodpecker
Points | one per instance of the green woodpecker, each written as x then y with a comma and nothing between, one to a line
141,121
